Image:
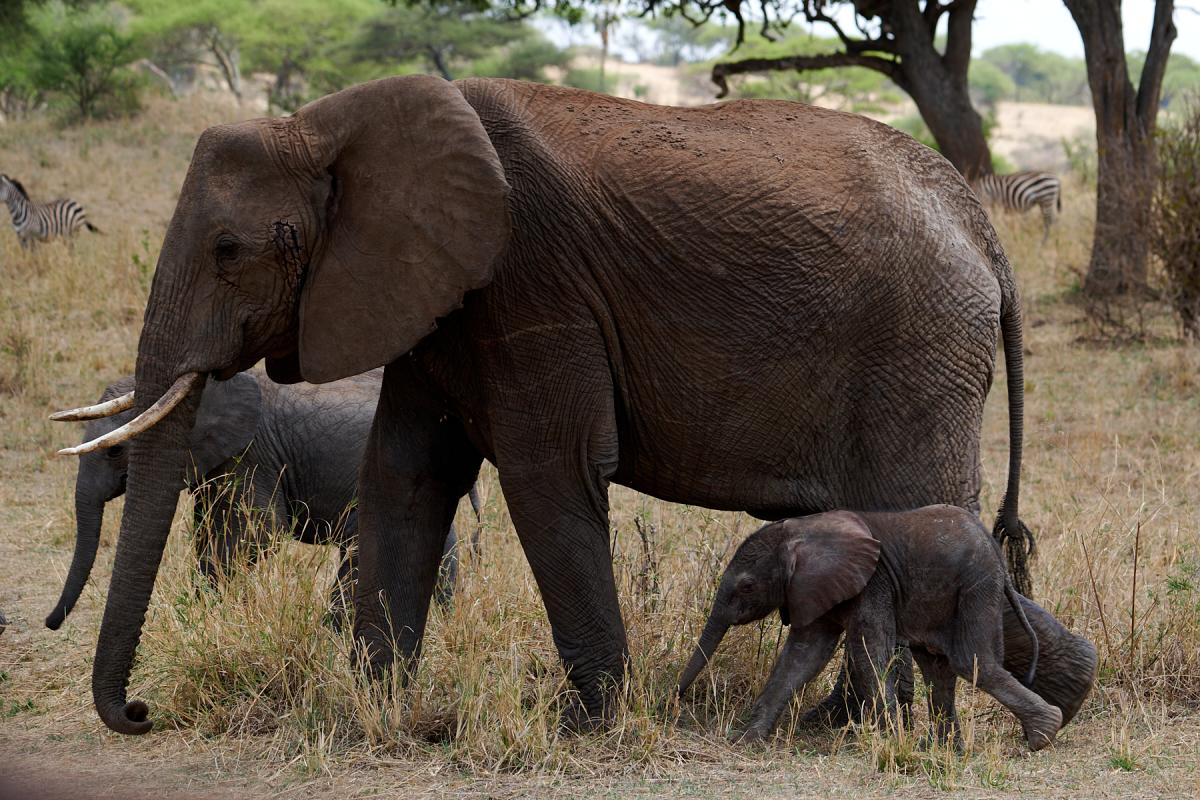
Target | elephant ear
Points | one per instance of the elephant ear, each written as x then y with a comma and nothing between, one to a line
828,559
225,422
416,216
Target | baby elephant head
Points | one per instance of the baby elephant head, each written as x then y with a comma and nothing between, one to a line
801,567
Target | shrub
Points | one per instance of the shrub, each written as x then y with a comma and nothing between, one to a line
1176,217
80,55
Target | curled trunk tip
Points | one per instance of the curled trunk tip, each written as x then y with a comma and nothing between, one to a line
130,718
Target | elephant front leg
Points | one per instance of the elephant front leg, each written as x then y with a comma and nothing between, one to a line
343,588
417,465
805,654
561,518
871,651
942,685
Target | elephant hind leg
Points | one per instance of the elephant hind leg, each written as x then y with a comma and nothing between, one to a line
977,656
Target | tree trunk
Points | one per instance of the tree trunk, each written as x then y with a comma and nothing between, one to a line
937,83
954,123
1125,122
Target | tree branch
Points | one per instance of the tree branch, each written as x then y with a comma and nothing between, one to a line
802,64
957,57
1162,33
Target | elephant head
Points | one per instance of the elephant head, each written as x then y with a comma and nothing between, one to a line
328,243
801,567
226,420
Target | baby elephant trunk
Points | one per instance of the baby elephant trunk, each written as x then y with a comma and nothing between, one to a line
714,632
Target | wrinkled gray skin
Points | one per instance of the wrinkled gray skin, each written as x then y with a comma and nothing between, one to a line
932,577
293,452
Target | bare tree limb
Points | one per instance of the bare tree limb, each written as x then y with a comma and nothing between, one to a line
1162,33
957,57
720,72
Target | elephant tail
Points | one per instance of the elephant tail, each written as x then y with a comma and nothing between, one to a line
1015,600
1014,537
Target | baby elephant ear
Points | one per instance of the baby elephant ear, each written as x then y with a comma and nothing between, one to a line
828,559
226,421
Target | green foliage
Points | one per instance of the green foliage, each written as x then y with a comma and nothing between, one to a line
589,79
989,84
1182,76
79,55
679,41
1040,76
525,59
850,88
454,40
305,43
1176,216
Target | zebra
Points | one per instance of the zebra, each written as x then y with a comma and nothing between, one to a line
41,221
1020,192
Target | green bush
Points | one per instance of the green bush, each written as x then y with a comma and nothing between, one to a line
80,56
1176,217
590,79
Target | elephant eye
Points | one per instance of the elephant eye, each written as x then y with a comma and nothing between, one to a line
116,451
226,249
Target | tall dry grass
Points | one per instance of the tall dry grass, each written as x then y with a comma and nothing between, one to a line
252,679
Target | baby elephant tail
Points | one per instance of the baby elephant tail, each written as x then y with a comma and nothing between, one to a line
1015,600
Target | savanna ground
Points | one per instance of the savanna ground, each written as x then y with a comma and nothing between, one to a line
252,695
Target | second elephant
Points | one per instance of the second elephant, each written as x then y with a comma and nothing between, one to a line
292,454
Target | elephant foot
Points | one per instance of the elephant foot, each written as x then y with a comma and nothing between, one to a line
832,713
577,721
1041,728
943,739
750,736
336,619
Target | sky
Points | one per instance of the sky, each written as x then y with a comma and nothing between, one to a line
1046,23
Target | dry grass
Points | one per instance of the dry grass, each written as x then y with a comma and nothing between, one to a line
253,694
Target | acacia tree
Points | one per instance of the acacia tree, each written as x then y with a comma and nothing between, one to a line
1125,124
898,38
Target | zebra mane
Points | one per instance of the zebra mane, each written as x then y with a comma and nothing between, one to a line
17,183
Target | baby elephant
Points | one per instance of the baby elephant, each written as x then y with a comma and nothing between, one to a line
293,454
932,577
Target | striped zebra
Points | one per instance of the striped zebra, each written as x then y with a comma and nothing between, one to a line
41,221
1020,192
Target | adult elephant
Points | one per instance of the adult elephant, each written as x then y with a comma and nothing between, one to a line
755,305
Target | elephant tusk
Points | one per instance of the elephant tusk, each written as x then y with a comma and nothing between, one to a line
147,419
98,411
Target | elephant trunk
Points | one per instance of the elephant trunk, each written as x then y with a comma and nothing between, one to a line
158,458
89,517
710,638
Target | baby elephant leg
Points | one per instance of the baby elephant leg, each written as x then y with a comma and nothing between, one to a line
805,654
941,682
343,589
978,656
870,648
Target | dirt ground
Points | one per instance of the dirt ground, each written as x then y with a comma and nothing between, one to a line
254,697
